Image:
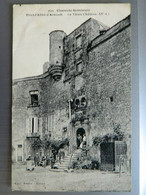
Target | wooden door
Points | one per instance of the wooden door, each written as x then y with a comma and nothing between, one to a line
107,156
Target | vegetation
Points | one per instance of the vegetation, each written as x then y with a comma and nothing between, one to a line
116,135
46,143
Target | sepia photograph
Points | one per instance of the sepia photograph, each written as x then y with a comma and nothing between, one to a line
71,98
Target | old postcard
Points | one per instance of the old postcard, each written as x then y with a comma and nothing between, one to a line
71,107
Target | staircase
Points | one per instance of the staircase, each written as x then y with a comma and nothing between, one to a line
68,160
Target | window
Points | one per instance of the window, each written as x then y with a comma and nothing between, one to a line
79,67
32,128
72,104
34,125
19,153
83,102
78,54
78,41
51,123
34,98
77,102
102,32
111,99
64,129
80,103
79,82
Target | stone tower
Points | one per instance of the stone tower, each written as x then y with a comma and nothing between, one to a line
56,53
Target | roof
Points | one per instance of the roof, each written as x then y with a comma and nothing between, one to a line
105,27
118,27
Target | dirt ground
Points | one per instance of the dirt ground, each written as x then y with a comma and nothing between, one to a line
44,179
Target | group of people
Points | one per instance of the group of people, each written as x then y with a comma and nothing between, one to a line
49,159
40,161
81,141
53,156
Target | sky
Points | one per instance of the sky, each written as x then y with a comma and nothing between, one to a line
31,32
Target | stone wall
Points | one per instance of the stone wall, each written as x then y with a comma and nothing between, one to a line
52,108
22,112
108,87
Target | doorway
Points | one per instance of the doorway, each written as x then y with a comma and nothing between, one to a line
107,156
79,136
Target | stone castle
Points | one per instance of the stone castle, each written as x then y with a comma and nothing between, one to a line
84,89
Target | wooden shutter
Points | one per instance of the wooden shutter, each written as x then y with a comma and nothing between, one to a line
40,126
49,123
120,155
27,125
35,124
30,125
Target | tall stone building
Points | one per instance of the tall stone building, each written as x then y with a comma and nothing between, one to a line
85,89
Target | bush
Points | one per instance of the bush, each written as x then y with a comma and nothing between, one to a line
95,164
86,164
74,164
57,144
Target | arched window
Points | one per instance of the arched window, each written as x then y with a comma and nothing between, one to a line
83,102
77,102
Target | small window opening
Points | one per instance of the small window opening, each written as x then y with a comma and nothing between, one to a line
34,99
64,129
60,47
78,41
83,101
19,153
73,104
102,32
77,102
111,99
79,67
56,62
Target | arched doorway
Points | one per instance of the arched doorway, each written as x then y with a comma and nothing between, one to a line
79,136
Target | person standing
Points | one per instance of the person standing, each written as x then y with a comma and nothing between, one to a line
84,140
79,140
44,161
36,159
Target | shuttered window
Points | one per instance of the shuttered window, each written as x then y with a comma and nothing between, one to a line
34,125
51,122
78,41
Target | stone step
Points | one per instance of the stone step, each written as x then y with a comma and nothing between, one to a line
75,156
70,158
63,163
63,167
